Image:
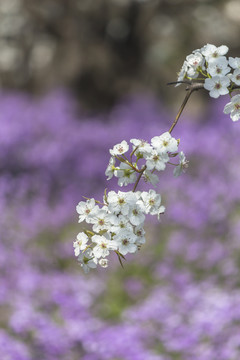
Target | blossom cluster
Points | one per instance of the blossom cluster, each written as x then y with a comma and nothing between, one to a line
118,224
220,75
155,155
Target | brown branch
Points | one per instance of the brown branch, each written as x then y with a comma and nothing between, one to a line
191,87
139,177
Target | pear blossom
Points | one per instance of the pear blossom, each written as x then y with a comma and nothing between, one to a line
126,242
80,243
140,232
217,85
157,161
103,263
212,52
136,215
164,143
194,61
143,147
151,201
111,168
150,177
160,211
219,67
234,62
85,209
126,175
87,260
235,77
183,165
121,223
233,108
101,220
119,149
103,245
121,201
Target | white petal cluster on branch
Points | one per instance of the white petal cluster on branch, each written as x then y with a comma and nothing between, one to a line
220,75
117,222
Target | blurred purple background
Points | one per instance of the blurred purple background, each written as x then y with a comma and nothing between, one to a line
77,77
178,297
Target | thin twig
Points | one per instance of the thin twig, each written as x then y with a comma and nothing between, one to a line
139,177
180,110
190,89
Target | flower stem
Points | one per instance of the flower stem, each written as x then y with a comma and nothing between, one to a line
190,89
139,177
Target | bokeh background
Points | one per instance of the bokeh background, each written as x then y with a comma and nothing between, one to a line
77,77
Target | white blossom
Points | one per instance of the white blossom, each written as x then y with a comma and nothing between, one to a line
111,168
234,62
101,220
126,175
165,143
150,177
119,149
235,77
103,245
103,263
121,223
140,232
161,210
143,147
80,243
126,242
211,52
85,209
233,108
219,67
136,215
151,201
183,165
87,260
121,201
157,161
194,61
217,85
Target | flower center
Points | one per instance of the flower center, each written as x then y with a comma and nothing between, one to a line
127,173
